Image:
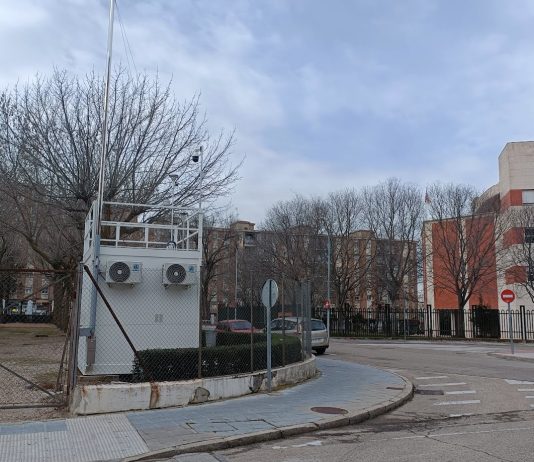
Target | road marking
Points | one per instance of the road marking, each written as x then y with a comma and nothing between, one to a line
447,403
461,415
518,382
463,392
311,443
529,397
435,377
442,384
525,389
532,405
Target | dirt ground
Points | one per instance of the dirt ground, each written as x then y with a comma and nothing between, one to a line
32,351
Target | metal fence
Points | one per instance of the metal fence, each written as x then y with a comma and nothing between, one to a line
427,322
34,339
149,331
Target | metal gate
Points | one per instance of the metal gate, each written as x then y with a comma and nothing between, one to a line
35,334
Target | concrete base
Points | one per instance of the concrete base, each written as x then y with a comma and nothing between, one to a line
103,398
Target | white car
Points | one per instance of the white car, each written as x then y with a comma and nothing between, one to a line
293,326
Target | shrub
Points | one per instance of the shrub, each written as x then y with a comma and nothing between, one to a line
182,363
239,338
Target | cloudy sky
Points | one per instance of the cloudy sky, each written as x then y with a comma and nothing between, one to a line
322,94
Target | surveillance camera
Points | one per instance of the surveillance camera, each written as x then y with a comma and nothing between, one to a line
194,158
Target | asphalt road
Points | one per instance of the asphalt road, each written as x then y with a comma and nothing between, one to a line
469,405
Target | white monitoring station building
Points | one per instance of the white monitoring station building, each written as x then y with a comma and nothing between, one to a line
149,272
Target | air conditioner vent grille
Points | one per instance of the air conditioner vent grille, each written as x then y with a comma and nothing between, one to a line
119,271
176,273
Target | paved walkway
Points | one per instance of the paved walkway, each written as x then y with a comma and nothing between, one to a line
355,388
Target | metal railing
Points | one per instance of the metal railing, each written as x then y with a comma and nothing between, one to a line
182,232
428,322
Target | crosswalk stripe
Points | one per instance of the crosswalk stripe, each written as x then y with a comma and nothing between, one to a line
525,389
441,384
448,403
518,382
461,392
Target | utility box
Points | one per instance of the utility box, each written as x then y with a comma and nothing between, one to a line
149,274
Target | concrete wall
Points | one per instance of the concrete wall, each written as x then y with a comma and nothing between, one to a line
99,399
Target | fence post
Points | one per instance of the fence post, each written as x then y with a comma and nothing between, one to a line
523,323
429,320
74,338
387,319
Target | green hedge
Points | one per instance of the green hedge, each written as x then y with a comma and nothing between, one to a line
182,363
238,338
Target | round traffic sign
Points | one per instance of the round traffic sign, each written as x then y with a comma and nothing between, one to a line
507,296
269,293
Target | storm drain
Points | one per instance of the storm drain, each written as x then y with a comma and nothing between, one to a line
329,410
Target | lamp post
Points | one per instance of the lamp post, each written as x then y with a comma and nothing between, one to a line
198,155
174,178
235,288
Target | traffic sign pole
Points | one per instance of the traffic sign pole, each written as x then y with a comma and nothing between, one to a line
268,313
269,296
510,328
508,296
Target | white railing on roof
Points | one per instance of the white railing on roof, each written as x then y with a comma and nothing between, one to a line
159,227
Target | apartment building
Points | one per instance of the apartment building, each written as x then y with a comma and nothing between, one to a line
247,257
500,239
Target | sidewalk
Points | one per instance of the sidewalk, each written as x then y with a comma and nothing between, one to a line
358,391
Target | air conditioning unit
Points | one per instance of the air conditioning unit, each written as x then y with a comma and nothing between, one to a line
123,272
179,274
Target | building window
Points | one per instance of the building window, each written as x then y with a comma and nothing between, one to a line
528,196
44,292
28,290
250,239
529,235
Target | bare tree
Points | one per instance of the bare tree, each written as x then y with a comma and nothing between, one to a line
50,145
293,244
219,246
464,233
394,213
10,259
50,142
343,215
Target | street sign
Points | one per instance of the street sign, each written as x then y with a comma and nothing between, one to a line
269,293
507,296
326,304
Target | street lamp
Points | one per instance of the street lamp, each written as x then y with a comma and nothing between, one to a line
195,157
174,177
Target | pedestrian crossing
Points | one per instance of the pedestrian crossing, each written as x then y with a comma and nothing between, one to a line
443,381
456,398
523,390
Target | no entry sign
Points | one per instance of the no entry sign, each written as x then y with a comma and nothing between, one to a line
507,296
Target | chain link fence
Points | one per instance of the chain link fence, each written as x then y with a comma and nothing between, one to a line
34,339
148,330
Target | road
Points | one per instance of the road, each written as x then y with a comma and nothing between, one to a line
469,405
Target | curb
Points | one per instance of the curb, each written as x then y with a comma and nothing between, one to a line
512,357
218,444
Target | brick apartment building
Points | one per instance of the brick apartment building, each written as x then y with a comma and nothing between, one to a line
240,268
513,192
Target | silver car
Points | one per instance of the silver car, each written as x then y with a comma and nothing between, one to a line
293,326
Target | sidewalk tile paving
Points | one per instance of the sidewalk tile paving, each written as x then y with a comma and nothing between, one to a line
109,437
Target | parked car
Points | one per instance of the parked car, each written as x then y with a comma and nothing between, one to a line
293,326
236,325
